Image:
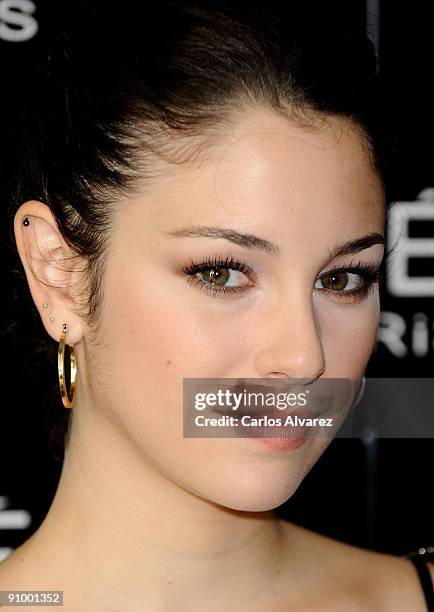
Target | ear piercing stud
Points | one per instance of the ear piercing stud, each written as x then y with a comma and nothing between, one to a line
45,306
26,222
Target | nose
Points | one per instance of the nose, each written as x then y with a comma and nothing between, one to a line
290,342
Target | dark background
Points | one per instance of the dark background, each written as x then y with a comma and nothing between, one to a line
375,495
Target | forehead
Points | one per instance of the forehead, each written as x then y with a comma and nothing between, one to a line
270,173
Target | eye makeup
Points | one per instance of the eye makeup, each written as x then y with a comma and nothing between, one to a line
212,274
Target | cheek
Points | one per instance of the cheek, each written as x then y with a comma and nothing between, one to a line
153,340
349,336
167,337
170,339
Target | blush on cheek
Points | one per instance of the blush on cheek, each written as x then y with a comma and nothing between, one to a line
349,345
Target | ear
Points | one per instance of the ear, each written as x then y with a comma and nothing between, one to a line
51,269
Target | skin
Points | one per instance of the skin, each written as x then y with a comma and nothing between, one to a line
144,518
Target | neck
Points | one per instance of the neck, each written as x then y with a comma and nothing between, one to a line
139,538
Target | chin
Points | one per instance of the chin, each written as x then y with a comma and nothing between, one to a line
262,484
259,501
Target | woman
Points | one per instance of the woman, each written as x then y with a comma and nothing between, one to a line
202,197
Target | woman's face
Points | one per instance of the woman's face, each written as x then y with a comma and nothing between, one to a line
309,193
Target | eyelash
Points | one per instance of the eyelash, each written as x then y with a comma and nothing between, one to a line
368,271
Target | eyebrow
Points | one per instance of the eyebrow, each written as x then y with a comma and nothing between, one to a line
250,241
247,241
359,244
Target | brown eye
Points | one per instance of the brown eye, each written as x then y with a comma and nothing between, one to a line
341,281
220,275
216,276
351,284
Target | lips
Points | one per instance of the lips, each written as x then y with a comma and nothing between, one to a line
265,427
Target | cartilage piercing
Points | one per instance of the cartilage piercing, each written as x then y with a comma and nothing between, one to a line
45,306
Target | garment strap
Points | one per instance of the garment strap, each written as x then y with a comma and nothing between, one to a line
425,580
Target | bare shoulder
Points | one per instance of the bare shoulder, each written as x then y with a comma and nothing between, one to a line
19,572
370,580
10,572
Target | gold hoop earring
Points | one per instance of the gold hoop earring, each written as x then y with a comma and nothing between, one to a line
67,402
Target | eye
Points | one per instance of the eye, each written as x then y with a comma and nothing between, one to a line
220,275
228,275
341,280
352,283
